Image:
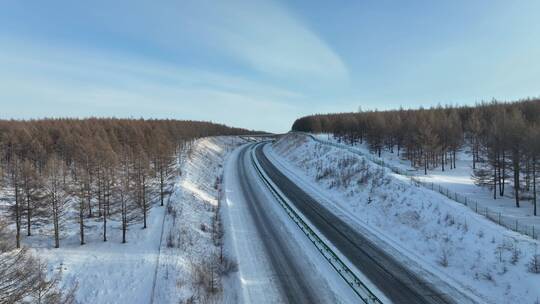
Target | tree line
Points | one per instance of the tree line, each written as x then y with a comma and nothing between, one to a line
55,172
503,139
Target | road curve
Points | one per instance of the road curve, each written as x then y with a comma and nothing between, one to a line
294,284
395,281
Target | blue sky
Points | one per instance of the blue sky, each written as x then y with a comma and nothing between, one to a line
261,63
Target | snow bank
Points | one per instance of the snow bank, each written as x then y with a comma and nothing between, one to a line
186,271
445,237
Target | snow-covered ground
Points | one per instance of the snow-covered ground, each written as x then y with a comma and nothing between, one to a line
108,272
460,180
442,238
138,271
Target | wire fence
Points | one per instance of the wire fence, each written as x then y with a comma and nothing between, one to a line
495,216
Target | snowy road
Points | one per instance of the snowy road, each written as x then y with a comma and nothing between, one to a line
396,282
277,264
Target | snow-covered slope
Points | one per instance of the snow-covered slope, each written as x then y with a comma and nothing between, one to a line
444,237
189,250
459,180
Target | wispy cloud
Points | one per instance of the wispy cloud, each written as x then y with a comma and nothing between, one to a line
261,35
42,81
271,40
245,63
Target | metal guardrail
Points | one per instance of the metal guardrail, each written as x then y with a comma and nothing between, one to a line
337,263
494,216
258,137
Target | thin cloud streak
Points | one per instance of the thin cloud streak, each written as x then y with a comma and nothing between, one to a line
272,41
270,64
257,35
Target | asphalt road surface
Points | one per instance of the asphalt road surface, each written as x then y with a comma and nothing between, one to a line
296,283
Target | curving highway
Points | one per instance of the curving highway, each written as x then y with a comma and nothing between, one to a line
263,240
395,281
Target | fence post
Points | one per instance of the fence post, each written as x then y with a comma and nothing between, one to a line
476,207
517,226
466,204
533,233
499,218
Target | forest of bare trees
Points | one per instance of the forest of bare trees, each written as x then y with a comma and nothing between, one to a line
503,139
101,168
56,172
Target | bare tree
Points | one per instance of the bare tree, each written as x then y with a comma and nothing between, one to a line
80,192
534,155
23,277
56,194
142,180
31,186
16,207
